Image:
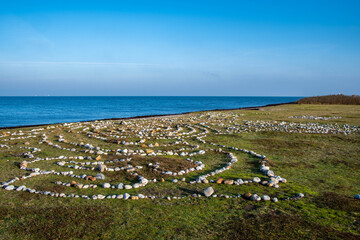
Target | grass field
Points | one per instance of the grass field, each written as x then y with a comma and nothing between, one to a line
324,167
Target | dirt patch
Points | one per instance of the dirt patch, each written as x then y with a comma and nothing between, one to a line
351,163
337,201
164,192
76,222
273,143
51,188
299,165
115,176
279,225
166,164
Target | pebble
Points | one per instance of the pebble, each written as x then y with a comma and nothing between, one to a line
229,182
255,197
247,195
265,198
256,180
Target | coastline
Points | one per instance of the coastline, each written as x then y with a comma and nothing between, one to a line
153,116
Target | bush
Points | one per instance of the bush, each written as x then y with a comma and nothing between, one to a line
331,99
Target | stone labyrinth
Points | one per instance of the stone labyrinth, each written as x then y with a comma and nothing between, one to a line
107,159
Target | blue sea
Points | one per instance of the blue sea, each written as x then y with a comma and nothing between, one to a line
21,111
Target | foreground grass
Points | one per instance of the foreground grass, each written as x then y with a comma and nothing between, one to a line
324,167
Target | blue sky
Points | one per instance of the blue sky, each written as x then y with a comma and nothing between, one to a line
182,48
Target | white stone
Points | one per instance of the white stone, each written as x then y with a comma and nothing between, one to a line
208,191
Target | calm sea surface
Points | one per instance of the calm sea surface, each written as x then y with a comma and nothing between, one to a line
19,111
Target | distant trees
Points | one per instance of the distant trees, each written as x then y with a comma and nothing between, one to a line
331,99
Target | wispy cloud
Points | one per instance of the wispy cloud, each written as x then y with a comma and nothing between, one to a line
77,63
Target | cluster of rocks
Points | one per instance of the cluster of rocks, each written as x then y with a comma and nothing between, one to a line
314,117
126,152
202,178
273,179
200,166
145,133
291,127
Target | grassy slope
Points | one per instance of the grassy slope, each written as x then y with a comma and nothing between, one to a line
332,99
324,167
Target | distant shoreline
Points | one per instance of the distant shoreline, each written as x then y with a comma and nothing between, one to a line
151,116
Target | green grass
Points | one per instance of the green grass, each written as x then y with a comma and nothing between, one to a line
325,167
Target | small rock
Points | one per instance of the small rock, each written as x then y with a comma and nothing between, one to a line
247,195
240,181
255,197
220,180
256,179
208,191
229,182
23,164
79,185
101,167
9,187
126,196
265,198
100,176
106,185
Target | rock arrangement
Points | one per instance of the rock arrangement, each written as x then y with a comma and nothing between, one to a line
314,117
174,138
